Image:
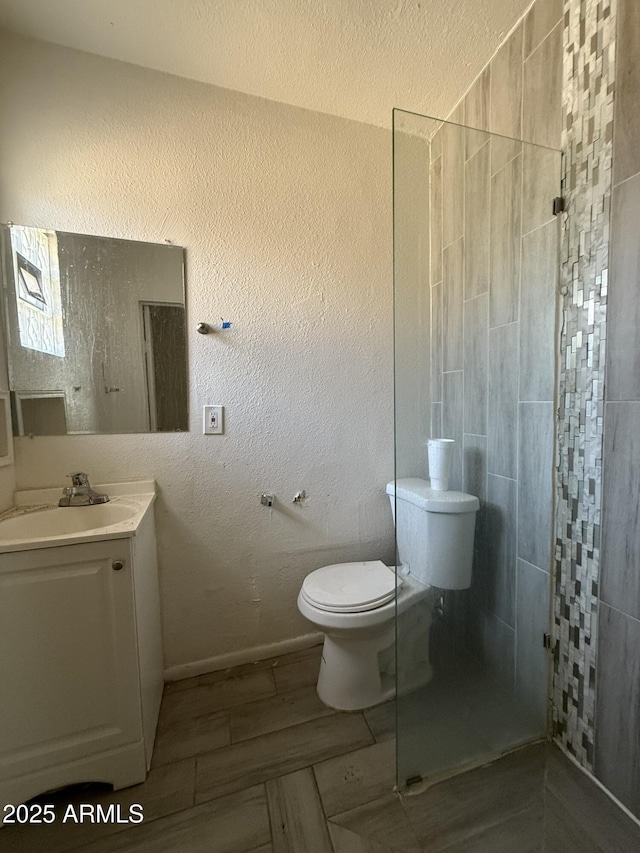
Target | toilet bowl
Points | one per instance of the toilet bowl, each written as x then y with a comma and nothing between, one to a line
356,604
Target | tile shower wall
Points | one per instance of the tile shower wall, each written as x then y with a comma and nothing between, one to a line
589,36
617,742
493,284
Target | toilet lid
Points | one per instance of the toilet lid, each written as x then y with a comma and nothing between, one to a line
351,587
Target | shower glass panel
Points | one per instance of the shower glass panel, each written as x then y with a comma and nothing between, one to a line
475,284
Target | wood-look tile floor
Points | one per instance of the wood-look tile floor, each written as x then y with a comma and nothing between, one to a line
250,761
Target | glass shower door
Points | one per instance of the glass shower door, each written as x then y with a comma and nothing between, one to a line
475,283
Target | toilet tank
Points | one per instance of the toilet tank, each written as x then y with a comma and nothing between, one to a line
434,532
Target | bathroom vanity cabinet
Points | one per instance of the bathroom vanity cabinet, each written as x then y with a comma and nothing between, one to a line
80,662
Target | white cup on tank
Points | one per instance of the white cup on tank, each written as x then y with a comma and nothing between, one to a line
440,458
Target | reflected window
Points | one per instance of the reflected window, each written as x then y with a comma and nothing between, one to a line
37,276
30,283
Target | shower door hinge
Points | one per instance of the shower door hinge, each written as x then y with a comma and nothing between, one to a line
546,641
558,205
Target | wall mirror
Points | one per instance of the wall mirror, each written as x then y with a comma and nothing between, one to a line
96,336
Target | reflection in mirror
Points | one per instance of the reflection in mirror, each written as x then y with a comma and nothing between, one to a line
96,333
6,441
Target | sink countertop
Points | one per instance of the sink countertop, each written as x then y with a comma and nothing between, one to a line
137,494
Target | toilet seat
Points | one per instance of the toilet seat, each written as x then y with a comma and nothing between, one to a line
351,587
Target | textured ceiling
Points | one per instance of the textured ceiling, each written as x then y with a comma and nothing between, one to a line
352,58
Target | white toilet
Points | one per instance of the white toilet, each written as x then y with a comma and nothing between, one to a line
355,604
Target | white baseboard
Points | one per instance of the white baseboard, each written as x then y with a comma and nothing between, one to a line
256,653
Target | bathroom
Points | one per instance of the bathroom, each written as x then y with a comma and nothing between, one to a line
284,209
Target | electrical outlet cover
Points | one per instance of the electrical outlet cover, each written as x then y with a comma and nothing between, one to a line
212,420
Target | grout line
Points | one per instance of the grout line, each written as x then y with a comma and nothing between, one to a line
368,725
475,153
471,298
620,612
501,476
538,227
503,325
492,175
623,182
526,58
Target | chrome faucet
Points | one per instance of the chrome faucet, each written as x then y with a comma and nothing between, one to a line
80,493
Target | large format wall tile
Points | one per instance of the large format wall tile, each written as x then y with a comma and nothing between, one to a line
436,343
535,483
503,151
452,411
506,231
617,763
623,310
474,482
503,397
533,589
435,220
540,186
453,150
538,313
626,161
476,112
476,224
620,554
436,420
541,19
475,467
476,364
499,650
452,290
506,87
501,549
542,100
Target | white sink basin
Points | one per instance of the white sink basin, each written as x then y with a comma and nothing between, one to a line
63,521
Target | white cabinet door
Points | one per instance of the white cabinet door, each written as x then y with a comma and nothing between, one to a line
68,660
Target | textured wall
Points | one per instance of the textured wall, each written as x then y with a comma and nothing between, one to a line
357,59
286,221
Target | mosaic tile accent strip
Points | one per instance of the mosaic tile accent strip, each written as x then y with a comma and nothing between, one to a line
588,89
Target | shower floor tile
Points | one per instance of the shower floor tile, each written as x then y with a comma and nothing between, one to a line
249,761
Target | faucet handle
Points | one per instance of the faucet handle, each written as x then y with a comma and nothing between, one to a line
79,478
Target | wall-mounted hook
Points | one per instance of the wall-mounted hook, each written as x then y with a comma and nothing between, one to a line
206,328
